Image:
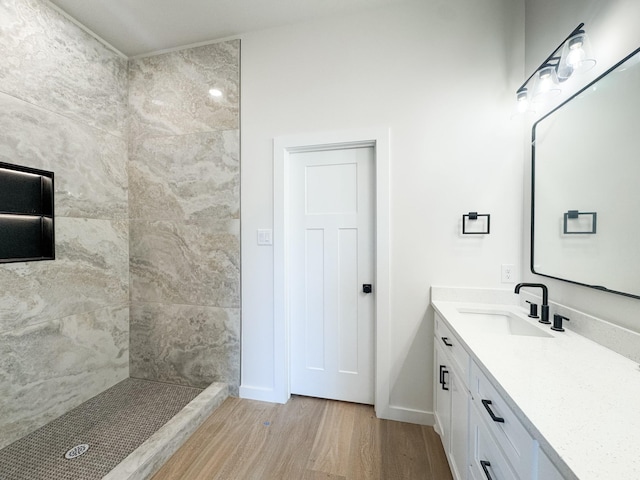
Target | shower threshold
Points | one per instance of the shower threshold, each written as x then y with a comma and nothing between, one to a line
125,433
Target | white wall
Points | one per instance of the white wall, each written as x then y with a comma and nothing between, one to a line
441,76
613,30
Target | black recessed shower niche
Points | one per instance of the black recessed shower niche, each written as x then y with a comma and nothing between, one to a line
26,214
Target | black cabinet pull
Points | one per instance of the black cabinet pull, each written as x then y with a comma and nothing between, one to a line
442,373
484,464
486,404
447,342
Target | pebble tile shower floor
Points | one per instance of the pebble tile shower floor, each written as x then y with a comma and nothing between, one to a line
113,424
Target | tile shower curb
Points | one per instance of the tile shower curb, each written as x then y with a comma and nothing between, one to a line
147,459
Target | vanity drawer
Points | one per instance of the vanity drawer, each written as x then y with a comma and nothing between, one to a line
487,461
510,434
450,344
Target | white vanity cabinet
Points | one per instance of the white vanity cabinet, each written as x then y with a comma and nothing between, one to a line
547,391
500,446
451,398
481,435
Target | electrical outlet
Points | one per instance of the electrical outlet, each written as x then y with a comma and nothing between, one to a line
508,273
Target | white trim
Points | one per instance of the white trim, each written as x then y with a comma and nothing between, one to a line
139,55
410,415
257,393
185,47
282,147
86,29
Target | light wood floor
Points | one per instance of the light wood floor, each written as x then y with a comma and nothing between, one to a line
306,439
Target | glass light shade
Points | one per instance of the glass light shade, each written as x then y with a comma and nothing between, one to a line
522,100
577,56
546,83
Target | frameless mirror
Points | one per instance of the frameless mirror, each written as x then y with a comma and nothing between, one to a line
585,222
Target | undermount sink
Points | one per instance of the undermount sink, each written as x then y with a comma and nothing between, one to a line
499,322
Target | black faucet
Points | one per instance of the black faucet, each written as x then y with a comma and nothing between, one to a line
544,309
557,323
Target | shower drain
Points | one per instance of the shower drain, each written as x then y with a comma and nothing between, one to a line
76,451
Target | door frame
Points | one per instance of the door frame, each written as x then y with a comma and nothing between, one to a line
283,147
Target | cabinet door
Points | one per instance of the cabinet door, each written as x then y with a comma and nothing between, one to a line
442,397
459,447
546,469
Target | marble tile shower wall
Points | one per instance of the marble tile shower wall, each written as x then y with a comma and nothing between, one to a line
64,324
184,209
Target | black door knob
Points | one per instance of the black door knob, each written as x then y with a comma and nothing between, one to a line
366,288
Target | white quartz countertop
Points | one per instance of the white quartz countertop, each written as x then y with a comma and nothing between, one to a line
576,397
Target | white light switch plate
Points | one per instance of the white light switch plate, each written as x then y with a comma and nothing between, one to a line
265,236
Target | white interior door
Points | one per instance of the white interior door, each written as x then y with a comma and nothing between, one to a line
331,258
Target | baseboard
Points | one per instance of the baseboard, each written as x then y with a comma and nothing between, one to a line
410,415
258,393
392,412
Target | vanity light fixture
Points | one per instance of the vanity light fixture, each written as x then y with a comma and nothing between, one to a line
575,57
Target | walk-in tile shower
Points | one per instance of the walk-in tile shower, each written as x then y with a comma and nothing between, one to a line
145,283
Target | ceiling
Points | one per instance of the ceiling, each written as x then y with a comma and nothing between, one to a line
138,27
